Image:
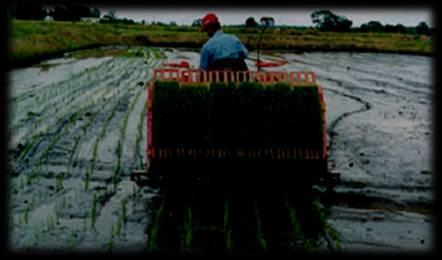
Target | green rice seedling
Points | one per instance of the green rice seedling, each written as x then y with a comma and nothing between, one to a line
140,134
298,235
31,177
89,123
188,230
92,166
73,118
227,230
117,167
259,233
94,211
59,181
26,214
328,232
119,226
229,242
28,146
74,148
72,240
153,230
84,225
108,119
124,210
158,54
134,191
22,183
86,180
110,244
45,156
57,219
113,231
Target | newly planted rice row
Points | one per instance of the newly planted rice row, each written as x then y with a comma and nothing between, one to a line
103,132
99,111
54,93
59,108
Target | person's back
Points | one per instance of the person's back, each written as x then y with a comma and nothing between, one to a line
222,51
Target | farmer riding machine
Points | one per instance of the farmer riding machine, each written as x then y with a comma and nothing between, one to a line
236,127
235,155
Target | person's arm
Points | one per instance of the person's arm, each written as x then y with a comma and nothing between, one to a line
244,52
204,58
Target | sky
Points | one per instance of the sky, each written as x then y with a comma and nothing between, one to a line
283,16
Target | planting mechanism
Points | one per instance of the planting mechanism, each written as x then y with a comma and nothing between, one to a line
213,132
206,123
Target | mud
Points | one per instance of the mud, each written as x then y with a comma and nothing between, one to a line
77,130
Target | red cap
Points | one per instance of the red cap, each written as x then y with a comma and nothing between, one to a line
210,18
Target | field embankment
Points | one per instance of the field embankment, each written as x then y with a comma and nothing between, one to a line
33,41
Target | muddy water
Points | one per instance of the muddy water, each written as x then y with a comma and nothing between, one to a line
379,111
78,130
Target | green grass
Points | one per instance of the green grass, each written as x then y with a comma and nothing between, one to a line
32,41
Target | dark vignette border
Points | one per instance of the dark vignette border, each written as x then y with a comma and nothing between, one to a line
231,4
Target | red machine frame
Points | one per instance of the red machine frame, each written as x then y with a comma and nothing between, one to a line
198,76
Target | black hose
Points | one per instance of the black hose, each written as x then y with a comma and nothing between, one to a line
259,44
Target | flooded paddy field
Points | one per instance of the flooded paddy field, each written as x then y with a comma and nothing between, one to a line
78,130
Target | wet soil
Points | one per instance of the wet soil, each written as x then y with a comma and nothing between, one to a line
77,130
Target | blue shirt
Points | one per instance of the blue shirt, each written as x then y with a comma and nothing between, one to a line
221,46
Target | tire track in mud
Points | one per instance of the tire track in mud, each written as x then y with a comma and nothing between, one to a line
331,129
374,196
359,67
359,195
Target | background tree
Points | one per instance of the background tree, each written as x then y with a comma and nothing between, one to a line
95,12
197,23
423,28
250,22
372,26
325,20
112,15
389,28
267,20
73,12
28,11
400,28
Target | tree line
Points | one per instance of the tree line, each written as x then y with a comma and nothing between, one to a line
62,12
323,20
68,12
327,21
